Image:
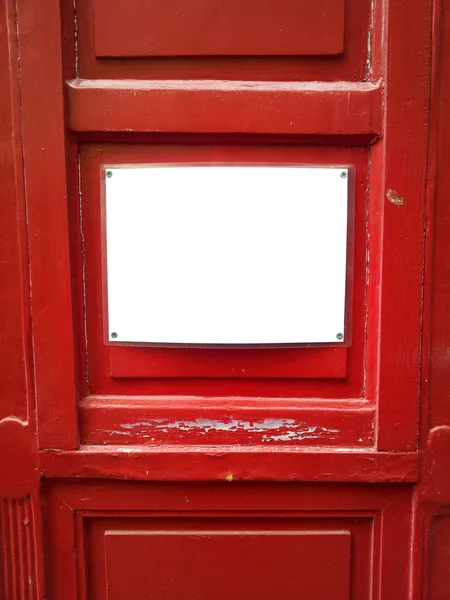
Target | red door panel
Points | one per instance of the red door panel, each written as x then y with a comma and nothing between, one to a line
205,539
169,366
239,40
315,472
211,563
239,27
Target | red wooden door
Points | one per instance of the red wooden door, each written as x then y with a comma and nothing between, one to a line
158,472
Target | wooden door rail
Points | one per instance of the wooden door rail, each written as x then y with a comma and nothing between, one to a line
312,108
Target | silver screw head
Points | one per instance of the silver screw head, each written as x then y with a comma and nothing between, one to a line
343,174
340,336
108,173
114,334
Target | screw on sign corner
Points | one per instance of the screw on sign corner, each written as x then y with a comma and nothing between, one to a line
343,174
109,174
340,336
114,335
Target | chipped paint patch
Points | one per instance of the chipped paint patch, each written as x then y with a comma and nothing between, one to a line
150,423
305,433
231,425
394,198
229,477
281,430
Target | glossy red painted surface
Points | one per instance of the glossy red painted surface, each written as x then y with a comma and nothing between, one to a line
133,471
251,558
186,107
280,363
90,514
350,65
238,28
326,362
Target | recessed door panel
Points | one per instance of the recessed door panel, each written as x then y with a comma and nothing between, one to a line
222,564
214,28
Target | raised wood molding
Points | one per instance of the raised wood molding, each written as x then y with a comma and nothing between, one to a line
220,463
317,108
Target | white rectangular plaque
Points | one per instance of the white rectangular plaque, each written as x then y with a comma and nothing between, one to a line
226,255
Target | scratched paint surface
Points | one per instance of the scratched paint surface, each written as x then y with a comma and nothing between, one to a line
271,430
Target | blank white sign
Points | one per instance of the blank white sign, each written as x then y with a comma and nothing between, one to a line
226,254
